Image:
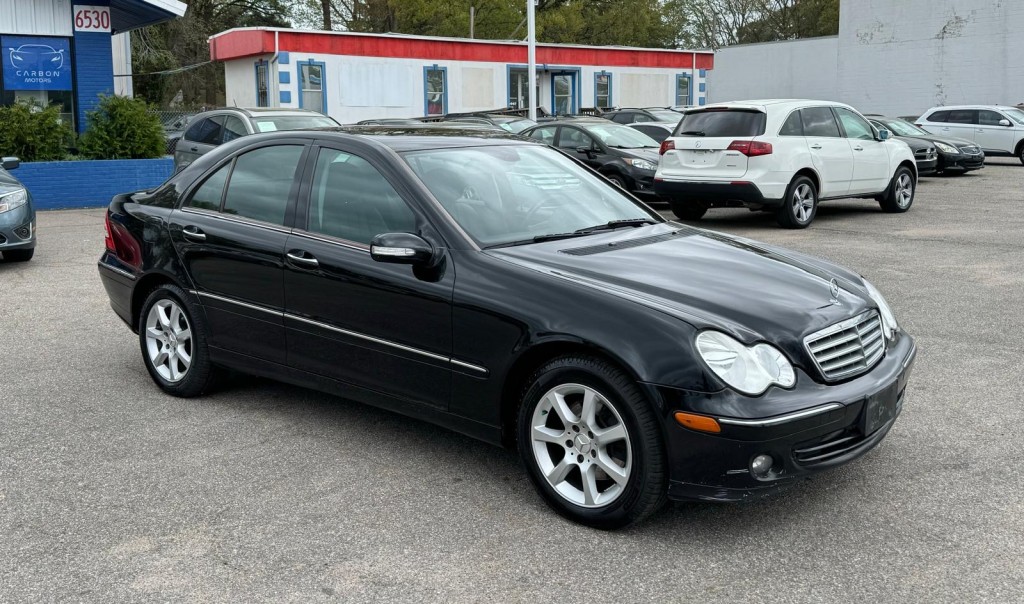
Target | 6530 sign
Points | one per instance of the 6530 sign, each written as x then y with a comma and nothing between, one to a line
92,18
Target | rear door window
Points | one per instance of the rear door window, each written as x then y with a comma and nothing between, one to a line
233,128
819,121
623,117
963,116
572,138
546,134
208,195
938,116
210,132
261,183
195,130
724,123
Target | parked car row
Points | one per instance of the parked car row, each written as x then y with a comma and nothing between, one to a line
17,217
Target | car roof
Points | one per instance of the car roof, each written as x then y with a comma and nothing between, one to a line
665,125
952,107
415,138
774,104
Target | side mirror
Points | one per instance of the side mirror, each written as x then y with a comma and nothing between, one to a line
588,150
11,163
401,248
1005,122
883,134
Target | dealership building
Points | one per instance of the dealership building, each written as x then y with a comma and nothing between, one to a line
356,76
54,51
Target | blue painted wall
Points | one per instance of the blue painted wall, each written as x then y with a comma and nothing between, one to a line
94,69
88,184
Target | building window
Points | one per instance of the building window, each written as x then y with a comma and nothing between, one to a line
312,94
519,89
435,90
603,90
683,89
262,91
563,88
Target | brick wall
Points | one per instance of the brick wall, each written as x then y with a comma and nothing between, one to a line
94,69
84,184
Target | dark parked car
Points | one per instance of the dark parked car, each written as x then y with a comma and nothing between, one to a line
651,114
390,121
509,123
624,156
209,129
659,131
629,359
952,154
925,155
17,217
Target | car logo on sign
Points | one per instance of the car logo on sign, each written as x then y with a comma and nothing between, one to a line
833,290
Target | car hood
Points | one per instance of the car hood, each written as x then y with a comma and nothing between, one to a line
711,280
949,140
7,179
916,142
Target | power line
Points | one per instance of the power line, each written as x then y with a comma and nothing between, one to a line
164,72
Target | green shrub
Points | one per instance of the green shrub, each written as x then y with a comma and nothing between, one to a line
33,132
122,128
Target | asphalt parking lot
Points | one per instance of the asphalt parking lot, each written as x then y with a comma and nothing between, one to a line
111,491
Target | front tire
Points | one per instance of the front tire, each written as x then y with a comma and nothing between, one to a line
617,180
172,336
800,205
900,195
19,255
688,211
1020,152
591,443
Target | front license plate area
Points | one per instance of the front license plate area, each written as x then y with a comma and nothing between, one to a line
879,408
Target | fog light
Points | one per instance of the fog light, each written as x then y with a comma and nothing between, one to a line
761,465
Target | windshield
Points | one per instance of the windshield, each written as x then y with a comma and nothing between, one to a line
722,122
902,128
512,194
292,122
1016,115
666,115
516,126
620,137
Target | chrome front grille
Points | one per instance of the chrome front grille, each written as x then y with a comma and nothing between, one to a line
925,154
848,348
971,149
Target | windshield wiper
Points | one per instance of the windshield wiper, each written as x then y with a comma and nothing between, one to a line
539,239
692,133
617,224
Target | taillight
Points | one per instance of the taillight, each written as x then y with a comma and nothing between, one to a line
666,145
751,148
108,240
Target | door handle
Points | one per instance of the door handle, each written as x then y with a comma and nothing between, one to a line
193,149
302,258
815,146
858,148
193,233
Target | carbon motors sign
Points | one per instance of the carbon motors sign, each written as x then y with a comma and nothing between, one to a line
31,63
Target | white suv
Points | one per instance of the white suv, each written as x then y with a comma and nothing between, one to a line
996,129
781,156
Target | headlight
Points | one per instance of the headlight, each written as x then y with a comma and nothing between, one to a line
12,199
641,164
946,148
750,370
889,324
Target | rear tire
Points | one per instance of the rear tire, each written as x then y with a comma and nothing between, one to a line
19,255
688,211
591,443
173,339
800,205
900,195
1020,152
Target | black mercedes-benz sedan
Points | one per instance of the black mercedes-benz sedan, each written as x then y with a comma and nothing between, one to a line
506,291
952,154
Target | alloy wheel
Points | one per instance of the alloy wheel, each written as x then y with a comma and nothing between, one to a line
581,445
169,340
904,190
803,203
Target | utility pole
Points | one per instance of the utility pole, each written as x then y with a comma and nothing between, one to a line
472,20
531,57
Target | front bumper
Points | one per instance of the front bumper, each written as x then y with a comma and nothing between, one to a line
961,161
822,426
927,166
18,229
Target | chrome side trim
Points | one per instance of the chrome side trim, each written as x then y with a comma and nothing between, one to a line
782,419
269,311
347,332
362,336
113,269
331,240
236,219
471,366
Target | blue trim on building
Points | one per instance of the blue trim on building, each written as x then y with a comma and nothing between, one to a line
283,57
323,84
284,77
702,101
689,89
703,73
702,87
444,84
574,94
85,184
285,96
611,102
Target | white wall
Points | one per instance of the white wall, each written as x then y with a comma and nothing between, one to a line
897,57
361,88
36,17
802,69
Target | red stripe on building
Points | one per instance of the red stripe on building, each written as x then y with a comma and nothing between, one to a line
243,43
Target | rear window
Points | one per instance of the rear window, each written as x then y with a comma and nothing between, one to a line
716,122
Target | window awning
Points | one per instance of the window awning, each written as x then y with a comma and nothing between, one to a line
126,15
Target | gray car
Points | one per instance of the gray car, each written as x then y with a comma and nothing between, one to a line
212,128
17,218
